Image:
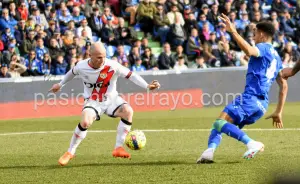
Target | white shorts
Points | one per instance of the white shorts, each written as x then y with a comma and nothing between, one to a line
108,107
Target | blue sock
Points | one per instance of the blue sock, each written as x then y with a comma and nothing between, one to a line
234,132
214,139
231,130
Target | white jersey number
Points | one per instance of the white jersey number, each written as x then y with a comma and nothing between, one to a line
271,70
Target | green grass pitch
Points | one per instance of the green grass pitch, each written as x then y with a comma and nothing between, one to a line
169,157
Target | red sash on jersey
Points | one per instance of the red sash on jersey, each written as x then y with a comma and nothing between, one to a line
104,78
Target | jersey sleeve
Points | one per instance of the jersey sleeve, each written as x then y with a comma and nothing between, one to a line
75,70
123,71
261,49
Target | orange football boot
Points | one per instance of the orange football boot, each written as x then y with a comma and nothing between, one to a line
63,160
120,152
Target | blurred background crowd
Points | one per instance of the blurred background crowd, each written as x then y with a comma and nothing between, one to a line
48,37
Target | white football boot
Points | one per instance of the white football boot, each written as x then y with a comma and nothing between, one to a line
206,157
254,147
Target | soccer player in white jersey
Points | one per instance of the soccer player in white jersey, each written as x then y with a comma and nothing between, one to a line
99,76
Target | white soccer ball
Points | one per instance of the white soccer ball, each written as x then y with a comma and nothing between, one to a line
135,140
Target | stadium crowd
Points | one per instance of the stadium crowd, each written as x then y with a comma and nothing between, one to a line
42,37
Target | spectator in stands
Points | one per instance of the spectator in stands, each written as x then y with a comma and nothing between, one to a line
190,24
126,34
4,71
109,34
226,56
62,8
174,14
278,6
60,66
213,15
177,34
221,31
253,12
121,55
13,12
287,24
88,10
29,43
16,69
186,12
95,21
149,60
256,16
68,38
53,17
6,36
34,66
203,21
226,9
179,53
161,23
200,63
23,11
7,22
8,54
115,4
40,49
211,50
52,27
144,44
133,55
131,7
109,16
33,5
20,33
71,27
40,19
138,67
145,15
242,10
76,43
48,8
194,45
84,26
179,5
54,49
46,68
290,55
242,23
180,64
165,59
64,18
77,18
71,53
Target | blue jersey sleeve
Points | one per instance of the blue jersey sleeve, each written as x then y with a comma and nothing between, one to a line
261,49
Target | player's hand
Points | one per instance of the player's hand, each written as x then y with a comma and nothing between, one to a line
55,88
277,119
230,27
287,72
154,85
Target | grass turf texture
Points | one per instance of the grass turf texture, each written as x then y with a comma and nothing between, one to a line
169,157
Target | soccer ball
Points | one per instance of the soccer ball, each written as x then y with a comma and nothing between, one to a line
135,140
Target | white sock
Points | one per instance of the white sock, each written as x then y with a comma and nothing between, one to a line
123,129
77,137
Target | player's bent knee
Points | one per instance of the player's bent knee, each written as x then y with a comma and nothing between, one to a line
86,124
128,111
218,124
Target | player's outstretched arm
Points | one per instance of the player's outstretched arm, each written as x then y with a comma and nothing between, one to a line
138,80
69,76
289,72
243,44
283,89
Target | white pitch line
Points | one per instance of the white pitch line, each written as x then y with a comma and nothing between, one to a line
158,130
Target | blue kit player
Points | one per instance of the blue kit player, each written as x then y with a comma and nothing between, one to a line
264,67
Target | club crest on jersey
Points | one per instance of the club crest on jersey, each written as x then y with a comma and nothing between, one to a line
103,75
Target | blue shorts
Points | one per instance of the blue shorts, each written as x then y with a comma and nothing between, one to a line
246,109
